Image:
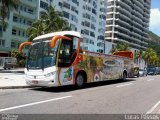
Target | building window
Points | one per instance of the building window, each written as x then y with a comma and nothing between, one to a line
66,5
13,44
24,21
76,2
25,8
23,34
60,4
2,42
94,11
14,31
92,34
19,33
15,19
20,20
44,5
66,14
29,23
1,28
30,11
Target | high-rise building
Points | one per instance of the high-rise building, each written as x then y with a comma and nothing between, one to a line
19,20
127,21
85,16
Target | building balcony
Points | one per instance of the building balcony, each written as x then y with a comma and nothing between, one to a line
138,8
32,3
147,5
123,10
146,39
26,15
136,13
20,25
135,40
139,4
122,28
122,34
125,5
19,38
120,40
137,30
138,20
138,24
135,34
125,23
123,16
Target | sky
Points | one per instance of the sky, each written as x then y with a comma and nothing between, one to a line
155,17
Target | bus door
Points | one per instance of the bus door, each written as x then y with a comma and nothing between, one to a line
67,54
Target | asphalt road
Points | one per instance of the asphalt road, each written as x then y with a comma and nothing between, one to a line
137,95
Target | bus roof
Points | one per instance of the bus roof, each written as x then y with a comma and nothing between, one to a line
49,35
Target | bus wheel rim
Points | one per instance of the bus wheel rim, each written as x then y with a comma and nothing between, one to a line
80,80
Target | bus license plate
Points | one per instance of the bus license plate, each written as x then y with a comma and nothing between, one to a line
35,82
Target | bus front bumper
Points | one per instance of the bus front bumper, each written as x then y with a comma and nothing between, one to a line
45,82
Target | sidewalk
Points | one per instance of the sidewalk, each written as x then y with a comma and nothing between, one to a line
13,70
14,78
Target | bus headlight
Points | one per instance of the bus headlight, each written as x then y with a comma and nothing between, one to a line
49,74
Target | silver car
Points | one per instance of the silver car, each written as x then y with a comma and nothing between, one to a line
142,72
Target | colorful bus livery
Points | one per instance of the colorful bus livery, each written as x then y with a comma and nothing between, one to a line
56,59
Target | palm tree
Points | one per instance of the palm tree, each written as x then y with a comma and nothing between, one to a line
150,56
53,19
139,55
7,5
37,28
50,21
120,47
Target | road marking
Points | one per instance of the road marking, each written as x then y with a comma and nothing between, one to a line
34,103
150,80
153,108
124,85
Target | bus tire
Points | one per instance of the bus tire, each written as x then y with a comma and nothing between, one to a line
124,76
80,80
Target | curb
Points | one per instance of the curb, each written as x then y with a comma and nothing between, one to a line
16,87
11,71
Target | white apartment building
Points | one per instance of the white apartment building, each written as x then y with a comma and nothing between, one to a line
127,21
85,16
18,22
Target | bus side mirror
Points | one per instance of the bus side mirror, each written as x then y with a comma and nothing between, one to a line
55,38
22,46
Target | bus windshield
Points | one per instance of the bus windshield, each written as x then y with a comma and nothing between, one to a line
41,55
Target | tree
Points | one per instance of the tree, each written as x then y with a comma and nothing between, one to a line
53,19
150,56
7,5
120,47
139,55
50,21
37,28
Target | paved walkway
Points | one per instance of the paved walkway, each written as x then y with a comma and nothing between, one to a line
13,78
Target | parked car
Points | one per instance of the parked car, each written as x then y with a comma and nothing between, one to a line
8,62
142,72
157,70
151,71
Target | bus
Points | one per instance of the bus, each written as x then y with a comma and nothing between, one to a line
56,59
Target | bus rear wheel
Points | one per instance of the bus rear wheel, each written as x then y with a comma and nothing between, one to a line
80,80
124,78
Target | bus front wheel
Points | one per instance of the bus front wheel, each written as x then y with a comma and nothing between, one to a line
80,80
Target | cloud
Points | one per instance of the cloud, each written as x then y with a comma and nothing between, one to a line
155,20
